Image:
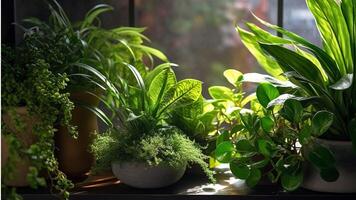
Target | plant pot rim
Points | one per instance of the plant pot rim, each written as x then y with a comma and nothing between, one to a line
161,164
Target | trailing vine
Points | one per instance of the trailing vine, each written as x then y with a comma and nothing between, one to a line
28,81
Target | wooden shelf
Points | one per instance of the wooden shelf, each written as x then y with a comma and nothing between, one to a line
193,186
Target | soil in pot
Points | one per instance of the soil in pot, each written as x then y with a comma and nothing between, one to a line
26,138
345,164
73,155
142,175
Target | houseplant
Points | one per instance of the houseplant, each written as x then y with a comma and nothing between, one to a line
143,143
34,100
327,73
261,142
92,57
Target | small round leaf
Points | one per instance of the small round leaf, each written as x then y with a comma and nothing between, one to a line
265,93
254,177
241,171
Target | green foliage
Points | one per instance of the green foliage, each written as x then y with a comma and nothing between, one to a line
166,145
28,81
326,74
273,138
144,110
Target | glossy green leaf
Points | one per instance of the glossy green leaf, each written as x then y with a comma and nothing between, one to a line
292,61
266,93
265,147
244,146
183,93
291,181
305,134
159,86
333,28
263,78
344,83
267,124
224,136
221,92
239,170
292,110
254,177
233,76
321,122
251,43
224,152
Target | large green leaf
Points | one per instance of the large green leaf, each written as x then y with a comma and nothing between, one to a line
321,122
326,61
321,157
292,61
344,83
292,110
233,76
221,92
93,13
240,170
266,93
183,93
263,78
251,43
292,180
159,86
334,30
224,152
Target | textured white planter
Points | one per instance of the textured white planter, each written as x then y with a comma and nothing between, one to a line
141,175
346,165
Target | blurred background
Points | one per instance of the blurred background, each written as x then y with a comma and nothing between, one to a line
199,35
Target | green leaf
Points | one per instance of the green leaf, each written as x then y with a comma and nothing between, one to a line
292,110
254,177
329,174
344,83
152,51
267,124
266,93
321,157
251,43
352,131
153,73
291,181
239,170
233,76
292,61
183,93
224,152
93,13
263,78
221,92
265,147
305,134
159,86
244,146
224,136
321,122
334,30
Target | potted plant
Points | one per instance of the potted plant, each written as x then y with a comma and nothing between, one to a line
326,74
268,140
92,58
145,151
34,100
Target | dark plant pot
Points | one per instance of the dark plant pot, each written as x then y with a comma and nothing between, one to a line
345,163
73,155
27,138
142,175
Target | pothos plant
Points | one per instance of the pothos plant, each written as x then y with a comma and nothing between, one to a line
28,81
274,137
143,133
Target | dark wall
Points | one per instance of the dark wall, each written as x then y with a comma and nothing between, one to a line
7,17
75,9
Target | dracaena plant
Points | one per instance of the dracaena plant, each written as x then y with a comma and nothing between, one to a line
143,132
273,137
327,73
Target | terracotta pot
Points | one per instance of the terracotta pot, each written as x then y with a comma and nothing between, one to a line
27,138
73,155
142,175
345,164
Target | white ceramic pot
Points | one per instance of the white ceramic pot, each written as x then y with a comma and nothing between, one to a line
345,164
142,175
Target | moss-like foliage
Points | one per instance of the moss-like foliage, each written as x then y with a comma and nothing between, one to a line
164,146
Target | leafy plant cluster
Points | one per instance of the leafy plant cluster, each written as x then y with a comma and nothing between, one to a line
325,74
28,81
273,138
142,111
